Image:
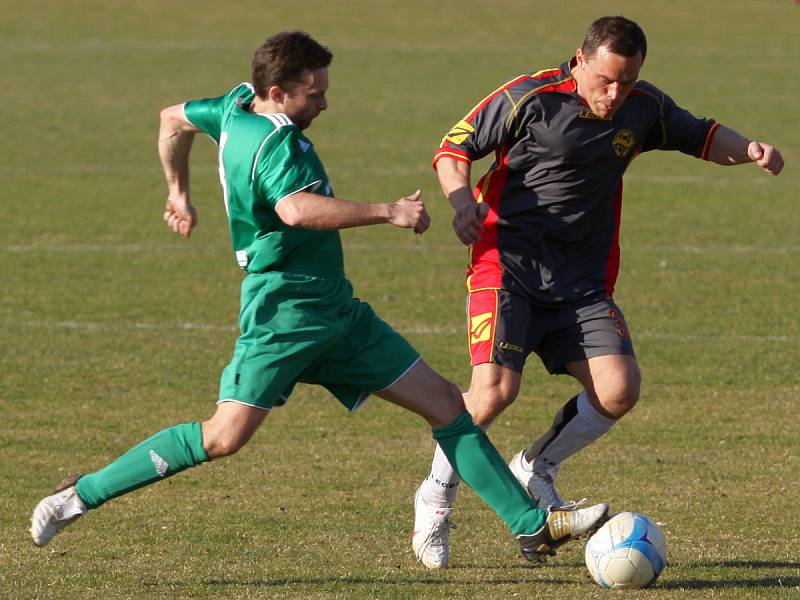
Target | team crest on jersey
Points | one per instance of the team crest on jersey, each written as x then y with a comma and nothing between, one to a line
459,132
623,142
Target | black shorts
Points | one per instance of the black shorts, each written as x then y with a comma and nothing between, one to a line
504,328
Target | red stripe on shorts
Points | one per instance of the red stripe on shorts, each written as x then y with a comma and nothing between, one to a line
482,314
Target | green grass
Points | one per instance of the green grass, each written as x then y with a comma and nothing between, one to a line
97,294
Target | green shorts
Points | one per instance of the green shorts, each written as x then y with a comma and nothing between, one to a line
310,329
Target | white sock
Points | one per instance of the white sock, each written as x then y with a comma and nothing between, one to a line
440,488
575,426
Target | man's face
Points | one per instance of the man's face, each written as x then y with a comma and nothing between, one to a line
304,100
605,79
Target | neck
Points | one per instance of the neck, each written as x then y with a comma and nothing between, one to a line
259,105
577,77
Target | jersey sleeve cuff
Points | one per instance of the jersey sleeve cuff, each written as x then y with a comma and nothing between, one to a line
311,187
712,131
185,116
458,155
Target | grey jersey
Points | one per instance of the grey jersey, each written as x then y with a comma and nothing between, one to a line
555,187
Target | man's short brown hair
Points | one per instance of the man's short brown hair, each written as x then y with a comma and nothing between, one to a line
282,59
620,35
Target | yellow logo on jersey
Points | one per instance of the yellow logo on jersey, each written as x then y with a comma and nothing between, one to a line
587,114
623,142
480,328
459,132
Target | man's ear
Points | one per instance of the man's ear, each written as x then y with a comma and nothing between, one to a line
275,94
580,57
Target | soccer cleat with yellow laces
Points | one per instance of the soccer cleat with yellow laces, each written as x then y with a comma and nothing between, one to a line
561,527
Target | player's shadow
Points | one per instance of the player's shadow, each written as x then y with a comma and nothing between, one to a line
741,569
401,581
787,578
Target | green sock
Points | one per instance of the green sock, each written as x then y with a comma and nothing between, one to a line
479,464
168,452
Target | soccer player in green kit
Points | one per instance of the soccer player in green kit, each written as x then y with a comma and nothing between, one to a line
298,319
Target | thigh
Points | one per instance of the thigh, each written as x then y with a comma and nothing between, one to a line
606,372
579,333
426,393
368,356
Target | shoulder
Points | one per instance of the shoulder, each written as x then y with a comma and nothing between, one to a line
536,82
243,92
281,139
645,89
273,129
521,92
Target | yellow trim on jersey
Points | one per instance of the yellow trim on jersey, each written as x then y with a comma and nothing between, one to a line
487,180
487,96
515,106
494,328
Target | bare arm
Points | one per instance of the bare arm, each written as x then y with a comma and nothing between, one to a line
175,137
454,178
731,148
313,211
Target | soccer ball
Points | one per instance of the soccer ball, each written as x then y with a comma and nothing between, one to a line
628,552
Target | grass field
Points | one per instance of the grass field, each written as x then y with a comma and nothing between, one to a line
112,328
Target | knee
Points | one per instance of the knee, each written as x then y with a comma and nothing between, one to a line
453,399
621,394
486,405
219,443
447,404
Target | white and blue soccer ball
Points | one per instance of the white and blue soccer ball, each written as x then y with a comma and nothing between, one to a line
628,552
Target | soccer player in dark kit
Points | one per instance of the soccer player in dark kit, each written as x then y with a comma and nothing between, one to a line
543,228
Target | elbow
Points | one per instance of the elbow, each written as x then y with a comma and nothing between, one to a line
290,213
167,114
174,121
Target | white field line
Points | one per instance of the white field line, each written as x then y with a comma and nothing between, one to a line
138,170
26,45
23,45
414,330
422,168
106,248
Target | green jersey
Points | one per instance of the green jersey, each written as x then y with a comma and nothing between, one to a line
263,158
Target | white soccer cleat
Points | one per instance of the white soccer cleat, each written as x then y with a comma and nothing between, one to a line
540,484
56,511
561,527
430,538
